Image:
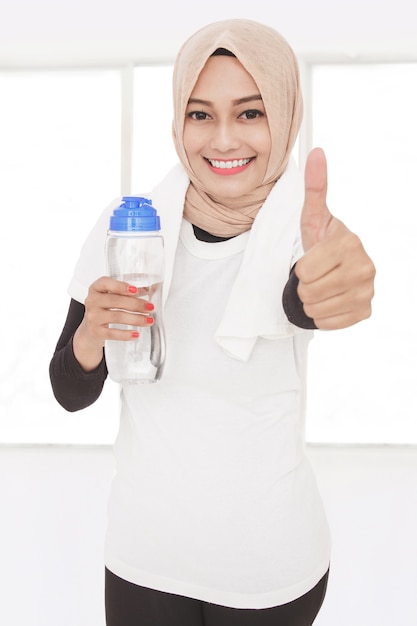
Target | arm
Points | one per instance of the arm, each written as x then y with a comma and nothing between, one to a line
78,368
73,387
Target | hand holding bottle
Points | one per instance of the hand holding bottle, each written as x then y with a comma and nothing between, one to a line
109,302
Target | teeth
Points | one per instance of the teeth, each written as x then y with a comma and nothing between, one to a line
223,165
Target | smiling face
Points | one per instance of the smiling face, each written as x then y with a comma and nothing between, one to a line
226,133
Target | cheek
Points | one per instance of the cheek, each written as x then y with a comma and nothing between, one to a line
196,138
265,142
190,141
187,147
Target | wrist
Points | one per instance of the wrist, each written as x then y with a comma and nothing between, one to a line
89,354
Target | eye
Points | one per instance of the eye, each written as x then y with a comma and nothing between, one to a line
198,115
251,114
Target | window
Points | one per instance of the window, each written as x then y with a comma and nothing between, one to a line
59,166
362,379
72,140
153,148
69,138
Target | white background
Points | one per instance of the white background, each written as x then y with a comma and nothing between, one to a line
53,497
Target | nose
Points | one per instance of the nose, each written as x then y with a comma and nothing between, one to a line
225,137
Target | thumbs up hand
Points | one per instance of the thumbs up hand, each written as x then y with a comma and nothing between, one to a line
336,276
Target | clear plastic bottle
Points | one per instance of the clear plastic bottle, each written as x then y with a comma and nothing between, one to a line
135,254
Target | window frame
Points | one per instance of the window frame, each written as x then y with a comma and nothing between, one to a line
127,78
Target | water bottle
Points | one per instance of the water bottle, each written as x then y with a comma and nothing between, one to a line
135,254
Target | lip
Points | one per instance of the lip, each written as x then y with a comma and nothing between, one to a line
229,171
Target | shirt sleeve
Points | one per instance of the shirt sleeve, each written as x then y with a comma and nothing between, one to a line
73,387
293,306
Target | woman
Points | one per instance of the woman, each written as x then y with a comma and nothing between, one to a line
214,515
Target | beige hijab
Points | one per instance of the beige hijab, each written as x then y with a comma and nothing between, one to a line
266,55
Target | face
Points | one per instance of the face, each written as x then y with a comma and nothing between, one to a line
226,133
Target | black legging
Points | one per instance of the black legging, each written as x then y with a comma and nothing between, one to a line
131,605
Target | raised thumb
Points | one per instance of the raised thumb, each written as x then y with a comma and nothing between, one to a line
315,216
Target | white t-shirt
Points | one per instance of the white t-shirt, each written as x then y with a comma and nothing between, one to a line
213,497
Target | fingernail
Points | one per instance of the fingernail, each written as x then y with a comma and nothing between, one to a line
149,320
135,334
132,289
149,306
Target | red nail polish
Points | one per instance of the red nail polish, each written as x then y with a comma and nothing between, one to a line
149,306
132,289
149,320
135,334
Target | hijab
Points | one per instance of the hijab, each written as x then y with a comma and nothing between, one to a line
271,62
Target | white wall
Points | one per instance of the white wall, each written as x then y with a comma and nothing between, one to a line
100,31
52,525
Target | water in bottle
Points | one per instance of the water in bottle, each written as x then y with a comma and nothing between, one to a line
135,254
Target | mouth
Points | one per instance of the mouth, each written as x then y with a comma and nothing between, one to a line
229,168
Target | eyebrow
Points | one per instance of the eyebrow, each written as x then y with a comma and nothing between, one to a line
234,102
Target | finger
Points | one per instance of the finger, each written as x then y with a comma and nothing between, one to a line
332,307
315,215
125,303
127,318
323,290
336,307
105,284
105,324
99,303
315,182
355,280
343,319
344,296
318,262
337,322
108,293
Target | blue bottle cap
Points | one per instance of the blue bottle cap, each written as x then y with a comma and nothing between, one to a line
135,214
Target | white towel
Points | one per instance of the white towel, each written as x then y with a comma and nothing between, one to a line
254,308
